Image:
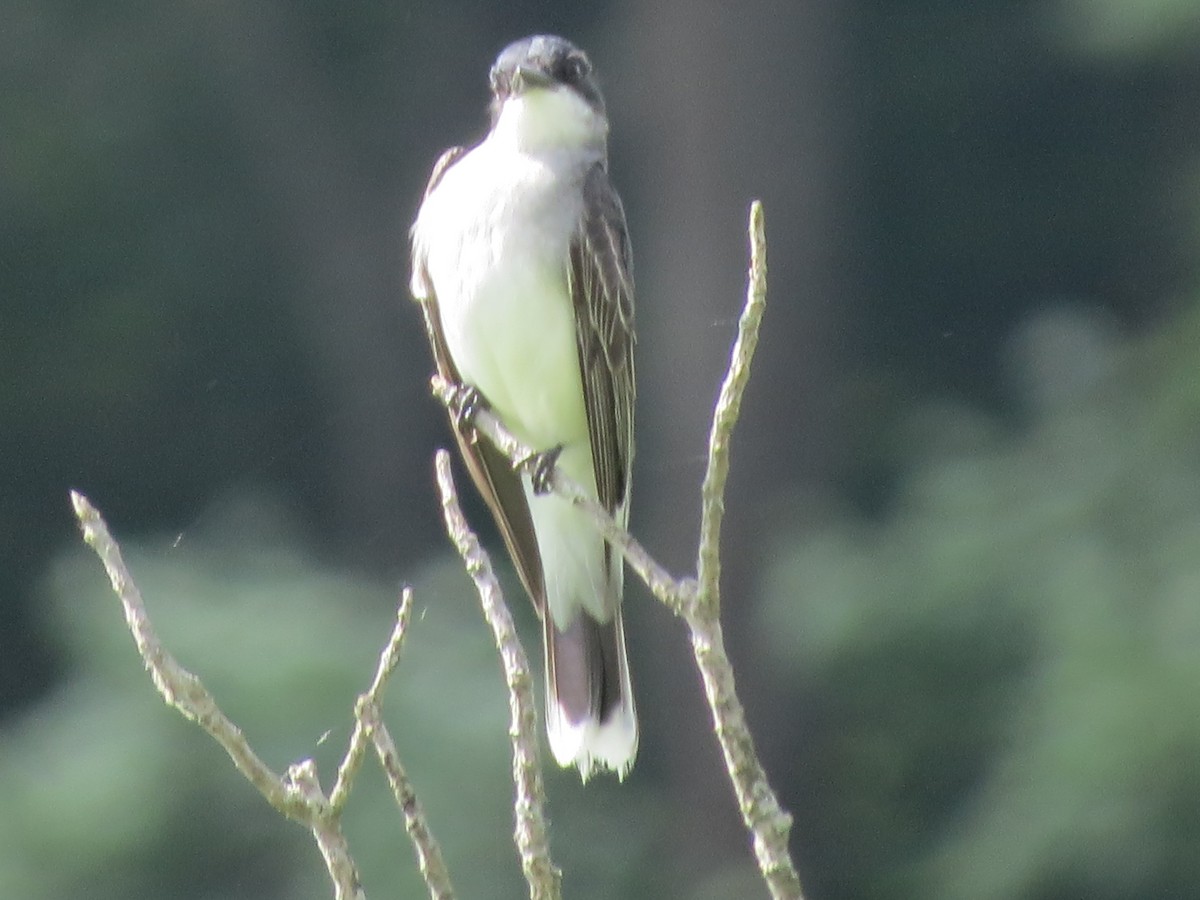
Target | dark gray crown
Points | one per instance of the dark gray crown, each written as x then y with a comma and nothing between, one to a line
544,60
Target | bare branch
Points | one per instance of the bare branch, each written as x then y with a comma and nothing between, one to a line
767,822
530,835
429,854
358,740
326,829
729,407
761,812
369,727
180,688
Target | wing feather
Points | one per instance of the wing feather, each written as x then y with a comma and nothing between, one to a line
497,483
600,280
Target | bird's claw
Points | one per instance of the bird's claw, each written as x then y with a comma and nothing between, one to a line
465,402
541,469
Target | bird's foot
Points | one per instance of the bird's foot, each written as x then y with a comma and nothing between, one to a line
541,469
465,402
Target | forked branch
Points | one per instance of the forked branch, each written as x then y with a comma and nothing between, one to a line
297,794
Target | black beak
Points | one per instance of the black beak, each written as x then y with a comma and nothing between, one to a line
528,76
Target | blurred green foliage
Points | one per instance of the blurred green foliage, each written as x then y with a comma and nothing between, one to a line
1001,674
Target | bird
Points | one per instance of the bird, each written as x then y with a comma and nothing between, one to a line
522,265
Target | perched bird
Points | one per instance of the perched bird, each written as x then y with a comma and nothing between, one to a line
522,264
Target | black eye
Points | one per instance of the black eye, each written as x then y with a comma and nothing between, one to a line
571,69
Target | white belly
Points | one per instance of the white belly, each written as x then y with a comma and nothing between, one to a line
498,267
496,255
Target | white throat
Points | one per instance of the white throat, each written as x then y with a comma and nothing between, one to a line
549,119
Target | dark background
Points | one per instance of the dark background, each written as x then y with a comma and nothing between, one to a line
962,555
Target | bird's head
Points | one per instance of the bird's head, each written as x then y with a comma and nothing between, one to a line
545,95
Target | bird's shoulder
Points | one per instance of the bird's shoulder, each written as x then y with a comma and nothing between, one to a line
420,284
448,158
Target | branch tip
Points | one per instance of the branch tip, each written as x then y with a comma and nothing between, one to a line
531,833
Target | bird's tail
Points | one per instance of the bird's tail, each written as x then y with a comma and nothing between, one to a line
590,717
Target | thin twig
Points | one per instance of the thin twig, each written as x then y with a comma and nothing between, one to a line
429,854
530,833
326,831
368,726
766,820
725,417
358,740
180,688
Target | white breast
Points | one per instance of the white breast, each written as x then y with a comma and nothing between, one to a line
494,234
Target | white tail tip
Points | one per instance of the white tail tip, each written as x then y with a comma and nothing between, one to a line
593,746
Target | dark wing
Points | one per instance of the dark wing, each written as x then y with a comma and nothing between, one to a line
491,471
600,279
421,287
